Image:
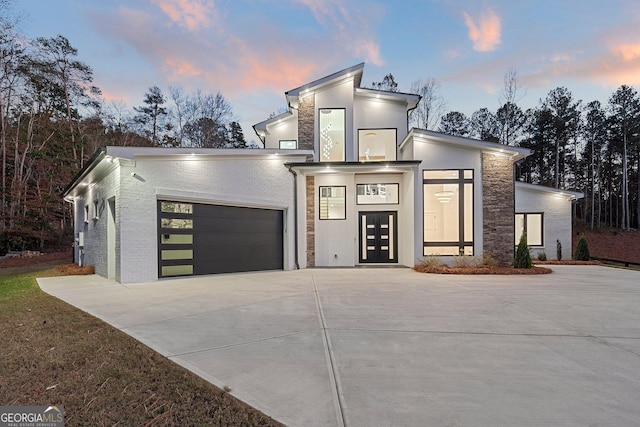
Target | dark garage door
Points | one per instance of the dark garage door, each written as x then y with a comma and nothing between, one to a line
207,239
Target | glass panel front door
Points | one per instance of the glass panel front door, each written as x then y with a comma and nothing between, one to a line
378,237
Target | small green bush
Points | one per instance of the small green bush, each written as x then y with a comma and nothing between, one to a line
582,250
432,261
542,256
558,250
523,257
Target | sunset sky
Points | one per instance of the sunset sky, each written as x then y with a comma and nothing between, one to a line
252,51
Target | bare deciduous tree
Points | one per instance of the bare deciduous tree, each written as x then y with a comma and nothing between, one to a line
429,110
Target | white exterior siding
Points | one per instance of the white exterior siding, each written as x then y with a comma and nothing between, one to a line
96,248
283,129
556,209
375,113
337,241
140,177
257,182
339,95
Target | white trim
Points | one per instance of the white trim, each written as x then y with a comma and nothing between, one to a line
570,195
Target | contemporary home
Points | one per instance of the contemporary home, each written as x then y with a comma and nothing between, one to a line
341,181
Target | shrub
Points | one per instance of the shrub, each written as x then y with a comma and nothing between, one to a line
523,257
582,250
558,250
432,261
466,261
488,260
542,256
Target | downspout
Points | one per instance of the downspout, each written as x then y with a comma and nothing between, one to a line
295,216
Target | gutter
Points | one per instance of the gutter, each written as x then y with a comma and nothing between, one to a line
295,215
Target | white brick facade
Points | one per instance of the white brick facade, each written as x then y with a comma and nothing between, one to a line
141,177
556,208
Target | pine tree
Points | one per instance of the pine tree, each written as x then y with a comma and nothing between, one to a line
523,257
582,250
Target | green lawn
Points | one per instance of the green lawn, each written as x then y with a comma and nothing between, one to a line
53,353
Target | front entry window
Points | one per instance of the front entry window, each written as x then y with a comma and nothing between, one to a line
448,212
333,202
332,134
376,145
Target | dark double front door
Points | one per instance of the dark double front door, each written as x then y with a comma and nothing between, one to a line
378,237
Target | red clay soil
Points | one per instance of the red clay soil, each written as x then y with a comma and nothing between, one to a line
481,270
614,245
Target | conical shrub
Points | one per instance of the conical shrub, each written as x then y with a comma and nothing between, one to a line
523,257
582,250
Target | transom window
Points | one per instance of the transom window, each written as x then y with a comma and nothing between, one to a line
377,145
288,144
531,224
332,135
333,202
377,194
448,212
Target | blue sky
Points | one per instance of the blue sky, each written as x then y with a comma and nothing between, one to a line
254,50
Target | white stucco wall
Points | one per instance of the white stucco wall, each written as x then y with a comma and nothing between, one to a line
377,113
261,182
437,155
284,129
339,95
556,218
337,241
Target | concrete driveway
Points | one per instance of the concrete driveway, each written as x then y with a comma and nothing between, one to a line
391,347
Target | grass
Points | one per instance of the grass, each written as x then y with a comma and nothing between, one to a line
53,353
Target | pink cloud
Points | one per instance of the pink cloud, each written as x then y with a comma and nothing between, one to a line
627,51
191,14
352,30
485,34
180,68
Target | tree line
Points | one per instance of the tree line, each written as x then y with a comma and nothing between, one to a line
593,148
53,118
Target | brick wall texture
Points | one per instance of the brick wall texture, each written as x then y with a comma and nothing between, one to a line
311,232
306,115
498,207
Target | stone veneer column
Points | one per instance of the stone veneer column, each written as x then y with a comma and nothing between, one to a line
498,207
311,216
306,116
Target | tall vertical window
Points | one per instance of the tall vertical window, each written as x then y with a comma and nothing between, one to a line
448,212
376,145
332,134
531,224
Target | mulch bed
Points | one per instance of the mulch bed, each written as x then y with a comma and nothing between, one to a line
75,269
481,270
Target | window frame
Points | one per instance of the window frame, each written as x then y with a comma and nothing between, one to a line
395,144
526,226
461,181
344,216
287,140
344,145
397,185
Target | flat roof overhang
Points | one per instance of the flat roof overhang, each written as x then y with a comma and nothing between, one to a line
397,166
